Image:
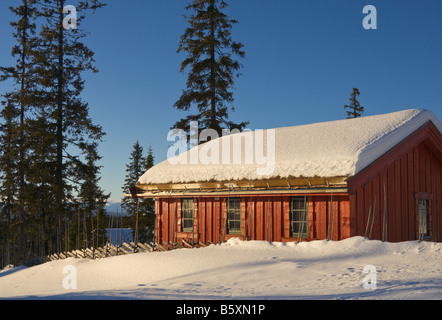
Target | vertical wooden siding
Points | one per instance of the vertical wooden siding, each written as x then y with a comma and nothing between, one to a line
263,217
417,170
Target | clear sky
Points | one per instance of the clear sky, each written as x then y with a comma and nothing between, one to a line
303,57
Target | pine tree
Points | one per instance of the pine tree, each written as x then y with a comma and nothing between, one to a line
62,58
355,108
212,67
141,211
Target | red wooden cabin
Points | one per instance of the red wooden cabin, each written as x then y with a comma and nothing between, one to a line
377,176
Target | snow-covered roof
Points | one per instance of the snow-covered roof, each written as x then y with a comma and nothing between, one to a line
328,149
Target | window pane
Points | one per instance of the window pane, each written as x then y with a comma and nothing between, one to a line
299,216
234,215
187,214
423,217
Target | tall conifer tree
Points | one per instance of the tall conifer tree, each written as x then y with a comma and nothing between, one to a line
14,132
354,109
48,149
92,199
212,66
141,211
62,58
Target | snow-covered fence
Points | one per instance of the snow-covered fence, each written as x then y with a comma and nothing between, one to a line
103,252
111,250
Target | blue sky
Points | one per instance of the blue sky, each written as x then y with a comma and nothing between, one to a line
303,57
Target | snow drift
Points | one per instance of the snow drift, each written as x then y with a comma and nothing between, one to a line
243,270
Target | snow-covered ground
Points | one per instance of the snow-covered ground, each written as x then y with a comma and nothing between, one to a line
242,270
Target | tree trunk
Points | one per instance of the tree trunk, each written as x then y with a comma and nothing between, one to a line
212,70
59,133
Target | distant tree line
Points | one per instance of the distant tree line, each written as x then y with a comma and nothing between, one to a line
50,200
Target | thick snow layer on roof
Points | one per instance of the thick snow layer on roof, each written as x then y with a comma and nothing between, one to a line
327,149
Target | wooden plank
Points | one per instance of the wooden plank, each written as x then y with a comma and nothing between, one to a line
209,219
103,252
187,244
111,251
243,217
136,245
437,202
99,254
286,217
158,219
70,254
129,247
202,244
278,219
145,247
115,249
397,202
410,196
148,247
390,204
89,253
259,222
179,245
216,220
202,220
404,200
160,247
124,250
166,245
345,217
321,215
164,235
173,245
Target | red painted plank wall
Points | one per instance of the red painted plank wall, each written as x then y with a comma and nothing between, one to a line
416,172
263,217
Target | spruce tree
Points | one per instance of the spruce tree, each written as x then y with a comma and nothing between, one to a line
147,218
91,199
354,109
140,211
212,67
62,57
8,187
13,139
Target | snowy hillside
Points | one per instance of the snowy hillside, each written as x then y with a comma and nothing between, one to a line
243,270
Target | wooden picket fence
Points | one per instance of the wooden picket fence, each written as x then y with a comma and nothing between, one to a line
124,249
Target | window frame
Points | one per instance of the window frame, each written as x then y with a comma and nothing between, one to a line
423,197
238,212
184,217
294,223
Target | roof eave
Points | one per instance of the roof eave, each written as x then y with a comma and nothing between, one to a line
275,185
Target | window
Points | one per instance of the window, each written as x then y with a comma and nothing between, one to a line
234,216
187,215
299,217
422,212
